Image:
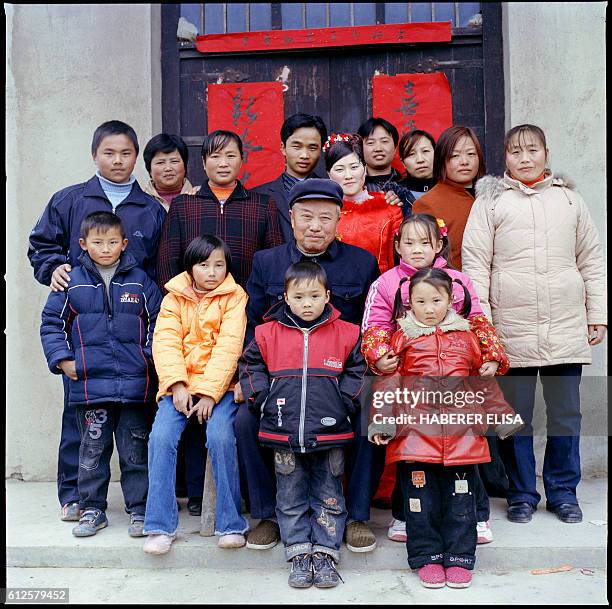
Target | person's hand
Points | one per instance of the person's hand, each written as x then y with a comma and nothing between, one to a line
596,334
192,191
392,198
68,367
238,395
203,409
488,369
381,439
181,398
60,278
388,363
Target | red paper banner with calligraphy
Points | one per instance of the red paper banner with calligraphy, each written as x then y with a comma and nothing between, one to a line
280,40
255,111
413,101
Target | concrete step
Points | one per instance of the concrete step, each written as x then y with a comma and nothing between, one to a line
37,538
269,587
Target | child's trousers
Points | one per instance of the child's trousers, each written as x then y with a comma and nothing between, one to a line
130,424
162,514
309,502
68,453
440,508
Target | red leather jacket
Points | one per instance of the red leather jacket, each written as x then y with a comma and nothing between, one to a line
446,426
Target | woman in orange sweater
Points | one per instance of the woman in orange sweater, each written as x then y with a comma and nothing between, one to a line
366,220
458,164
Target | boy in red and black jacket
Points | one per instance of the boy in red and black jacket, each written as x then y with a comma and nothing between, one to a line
304,372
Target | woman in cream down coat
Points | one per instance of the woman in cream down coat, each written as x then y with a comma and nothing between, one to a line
533,254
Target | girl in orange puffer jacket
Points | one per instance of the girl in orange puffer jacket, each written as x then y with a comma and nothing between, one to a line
436,436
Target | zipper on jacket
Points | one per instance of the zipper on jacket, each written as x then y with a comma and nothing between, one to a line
221,203
304,384
261,410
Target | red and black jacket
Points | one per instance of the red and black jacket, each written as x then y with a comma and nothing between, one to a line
304,381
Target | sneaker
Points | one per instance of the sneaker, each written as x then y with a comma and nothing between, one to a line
301,575
70,512
397,531
432,576
325,573
231,541
458,577
194,505
483,530
158,544
91,521
359,537
136,525
265,535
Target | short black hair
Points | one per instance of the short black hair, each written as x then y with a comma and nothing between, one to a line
164,142
201,248
342,148
219,139
300,120
366,129
306,271
101,221
113,128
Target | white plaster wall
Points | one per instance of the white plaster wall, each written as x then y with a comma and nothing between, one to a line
69,68
555,71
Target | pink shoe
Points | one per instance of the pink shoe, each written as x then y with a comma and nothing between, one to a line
483,532
432,576
458,577
158,544
231,541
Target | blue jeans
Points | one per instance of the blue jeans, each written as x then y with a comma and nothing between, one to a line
561,469
161,515
309,501
130,424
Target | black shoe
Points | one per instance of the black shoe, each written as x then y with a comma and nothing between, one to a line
325,573
194,505
520,512
567,512
301,571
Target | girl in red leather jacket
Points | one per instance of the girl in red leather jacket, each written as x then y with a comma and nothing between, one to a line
436,433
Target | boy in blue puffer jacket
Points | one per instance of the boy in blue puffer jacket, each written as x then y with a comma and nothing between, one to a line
98,333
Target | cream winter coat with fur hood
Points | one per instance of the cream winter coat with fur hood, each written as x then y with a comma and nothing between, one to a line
535,258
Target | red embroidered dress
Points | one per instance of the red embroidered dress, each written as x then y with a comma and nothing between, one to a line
371,226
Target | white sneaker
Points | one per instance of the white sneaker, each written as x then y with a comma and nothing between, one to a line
483,530
397,531
158,544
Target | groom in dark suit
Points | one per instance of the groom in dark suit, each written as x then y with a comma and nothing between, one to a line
302,137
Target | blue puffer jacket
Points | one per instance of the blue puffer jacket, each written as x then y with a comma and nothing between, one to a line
109,339
55,238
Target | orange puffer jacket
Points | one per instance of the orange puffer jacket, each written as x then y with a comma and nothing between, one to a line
448,408
198,342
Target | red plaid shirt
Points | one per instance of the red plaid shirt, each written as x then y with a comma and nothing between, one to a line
247,222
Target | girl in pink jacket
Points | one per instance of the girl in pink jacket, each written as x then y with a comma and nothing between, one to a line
422,242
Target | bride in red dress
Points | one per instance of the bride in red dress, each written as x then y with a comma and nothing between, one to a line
366,220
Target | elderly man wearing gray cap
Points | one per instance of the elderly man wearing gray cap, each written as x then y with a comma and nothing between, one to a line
315,210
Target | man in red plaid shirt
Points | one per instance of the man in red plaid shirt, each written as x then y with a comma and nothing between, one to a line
245,220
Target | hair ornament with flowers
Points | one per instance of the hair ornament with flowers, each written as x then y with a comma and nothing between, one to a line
442,226
336,137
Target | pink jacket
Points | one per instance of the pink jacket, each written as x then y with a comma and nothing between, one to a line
378,323
379,303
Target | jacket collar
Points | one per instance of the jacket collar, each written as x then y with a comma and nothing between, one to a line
182,285
413,328
93,188
126,262
408,269
513,183
238,193
330,253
